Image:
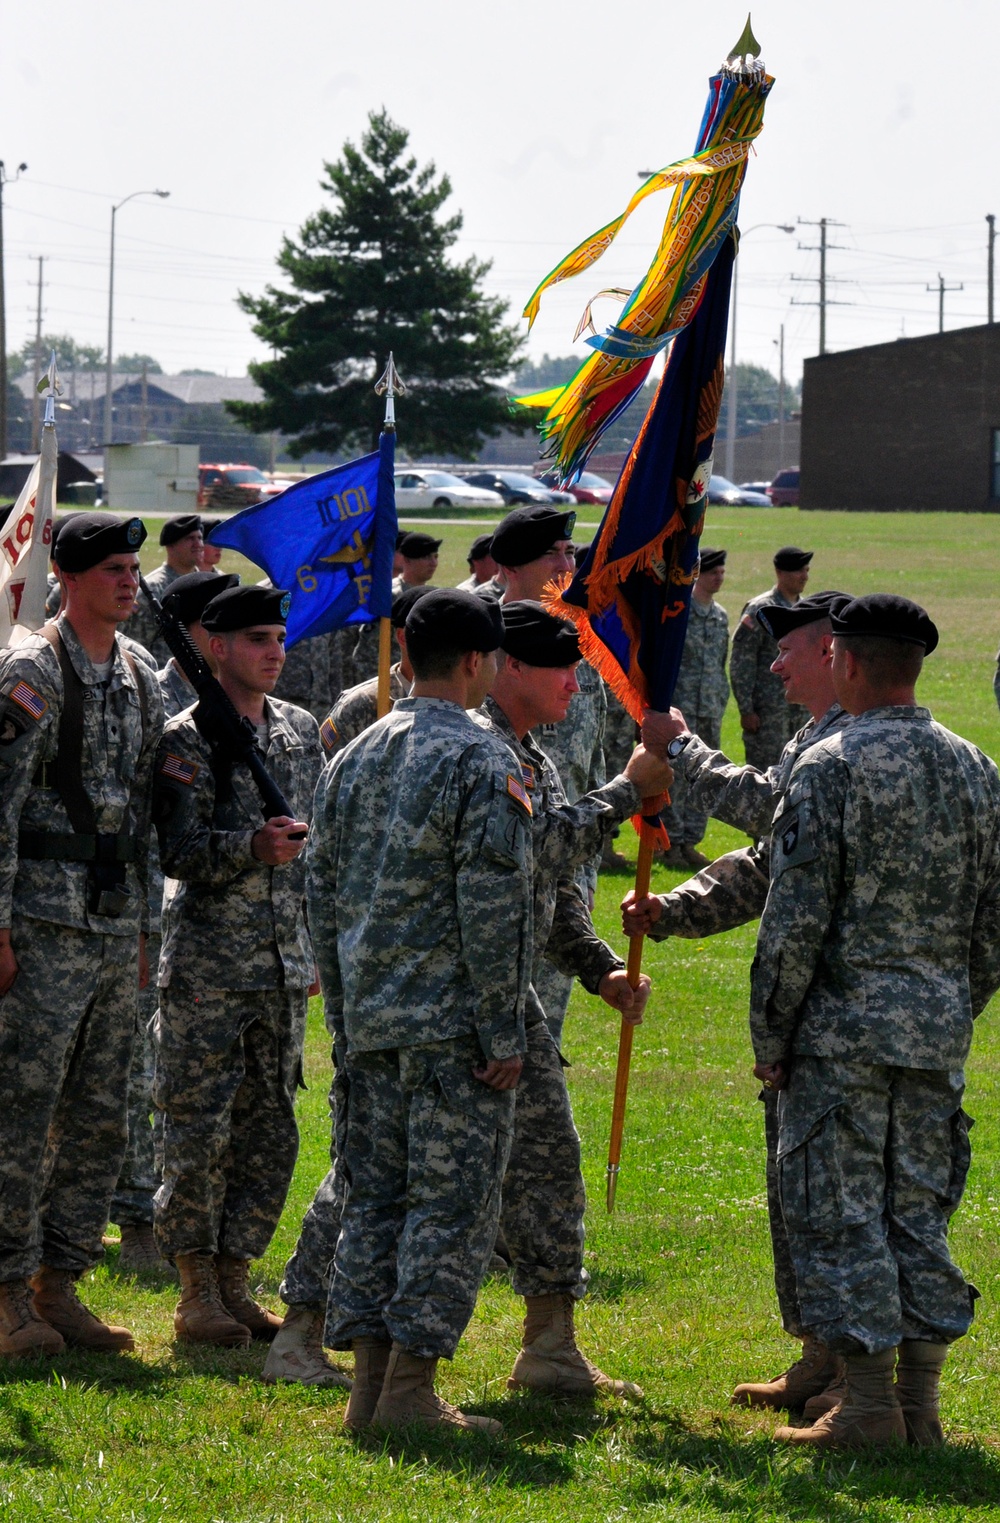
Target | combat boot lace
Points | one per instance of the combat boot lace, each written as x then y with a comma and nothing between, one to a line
139,1253
371,1360
918,1375
22,1330
869,1416
297,1356
200,1316
234,1288
816,1369
408,1396
549,1359
58,1304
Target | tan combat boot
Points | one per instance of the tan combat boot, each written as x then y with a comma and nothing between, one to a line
139,1253
371,1360
695,858
825,1402
239,1303
58,1304
297,1356
549,1359
812,1373
408,1396
918,1374
200,1316
22,1330
869,1416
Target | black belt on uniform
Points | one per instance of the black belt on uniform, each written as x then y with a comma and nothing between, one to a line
74,846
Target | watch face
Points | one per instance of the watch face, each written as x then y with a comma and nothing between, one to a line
677,745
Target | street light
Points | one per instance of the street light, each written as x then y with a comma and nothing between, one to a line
781,227
5,179
111,304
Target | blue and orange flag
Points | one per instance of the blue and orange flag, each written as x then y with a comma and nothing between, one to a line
329,541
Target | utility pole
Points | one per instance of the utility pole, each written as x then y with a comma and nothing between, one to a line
5,179
822,248
989,265
781,398
144,412
941,288
36,401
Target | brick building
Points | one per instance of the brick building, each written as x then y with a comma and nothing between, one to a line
908,426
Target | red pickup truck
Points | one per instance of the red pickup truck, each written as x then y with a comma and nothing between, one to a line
247,480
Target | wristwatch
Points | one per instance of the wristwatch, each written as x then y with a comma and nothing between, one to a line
676,746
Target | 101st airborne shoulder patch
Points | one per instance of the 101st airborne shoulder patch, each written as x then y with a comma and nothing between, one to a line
516,791
179,770
792,842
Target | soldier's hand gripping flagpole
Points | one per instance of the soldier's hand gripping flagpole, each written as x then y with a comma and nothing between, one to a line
391,386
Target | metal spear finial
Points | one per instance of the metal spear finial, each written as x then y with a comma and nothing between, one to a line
390,386
747,45
50,384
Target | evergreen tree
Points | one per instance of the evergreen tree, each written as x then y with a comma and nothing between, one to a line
367,275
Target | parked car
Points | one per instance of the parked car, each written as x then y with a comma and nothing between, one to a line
763,487
725,493
516,489
440,489
785,489
234,486
590,488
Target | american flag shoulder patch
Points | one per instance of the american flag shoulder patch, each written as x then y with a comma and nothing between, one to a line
516,791
178,769
33,703
528,776
328,734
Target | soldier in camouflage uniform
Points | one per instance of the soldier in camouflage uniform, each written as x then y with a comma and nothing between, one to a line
80,720
532,546
420,907
482,566
701,694
132,1206
184,542
732,891
543,1190
879,944
312,676
768,722
235,969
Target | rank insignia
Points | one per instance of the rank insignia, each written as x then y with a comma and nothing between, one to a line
516,791
32,703
179,770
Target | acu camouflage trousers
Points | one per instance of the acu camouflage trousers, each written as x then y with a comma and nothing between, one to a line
425,1149
66,1032
872,1163
227,1067
132,1204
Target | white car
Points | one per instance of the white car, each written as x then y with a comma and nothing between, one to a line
439,489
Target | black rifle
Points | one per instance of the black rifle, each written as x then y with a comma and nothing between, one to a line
228,732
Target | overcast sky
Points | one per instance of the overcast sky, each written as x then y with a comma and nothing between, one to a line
882,117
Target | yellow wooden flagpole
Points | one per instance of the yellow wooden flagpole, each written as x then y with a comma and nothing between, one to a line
643,872
383,703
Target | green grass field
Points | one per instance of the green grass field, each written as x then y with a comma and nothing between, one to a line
681,1297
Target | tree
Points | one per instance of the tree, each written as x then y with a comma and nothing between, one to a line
757,400
367,275
69,354
550,370
135,364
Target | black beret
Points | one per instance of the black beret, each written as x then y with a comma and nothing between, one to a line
180,527
58,525
481,546
779,621
86,539
210,521
533,635
579,551
245,607
404,601
791,558
449,619
190,595
711,560
526,533
885,616
413,546
400,537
